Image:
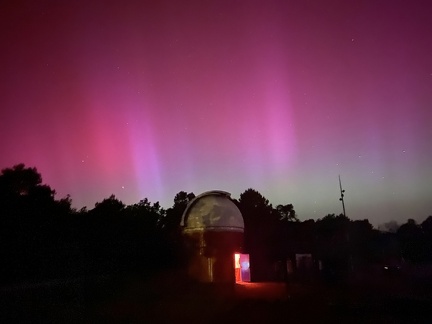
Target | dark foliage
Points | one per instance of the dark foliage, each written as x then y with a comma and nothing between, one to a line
42,237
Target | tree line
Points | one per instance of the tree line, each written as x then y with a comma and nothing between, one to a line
42,237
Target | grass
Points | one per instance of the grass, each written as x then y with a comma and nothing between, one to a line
168,298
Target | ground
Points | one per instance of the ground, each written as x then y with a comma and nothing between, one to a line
166,299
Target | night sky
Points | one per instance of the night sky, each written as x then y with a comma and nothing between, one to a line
148,98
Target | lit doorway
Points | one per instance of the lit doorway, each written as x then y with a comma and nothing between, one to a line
242,269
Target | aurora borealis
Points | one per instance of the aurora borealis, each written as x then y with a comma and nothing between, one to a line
147,98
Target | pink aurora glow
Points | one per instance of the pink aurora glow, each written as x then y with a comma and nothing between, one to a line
144,100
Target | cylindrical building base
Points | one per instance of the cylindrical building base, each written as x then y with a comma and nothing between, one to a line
212,255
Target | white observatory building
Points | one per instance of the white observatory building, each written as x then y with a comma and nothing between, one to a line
213,230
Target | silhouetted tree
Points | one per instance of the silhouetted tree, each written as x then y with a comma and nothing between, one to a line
361,241
18,180
287,213
42,237
141,240
108,207
426,226
333,245
391,226
32,225
22,194
170,226
173,216
261,231
411,238
182,199
150,213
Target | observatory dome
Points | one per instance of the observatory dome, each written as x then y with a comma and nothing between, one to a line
212,211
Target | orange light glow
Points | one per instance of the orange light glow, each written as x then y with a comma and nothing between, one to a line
237,260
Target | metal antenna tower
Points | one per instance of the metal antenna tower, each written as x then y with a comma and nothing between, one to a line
342,196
